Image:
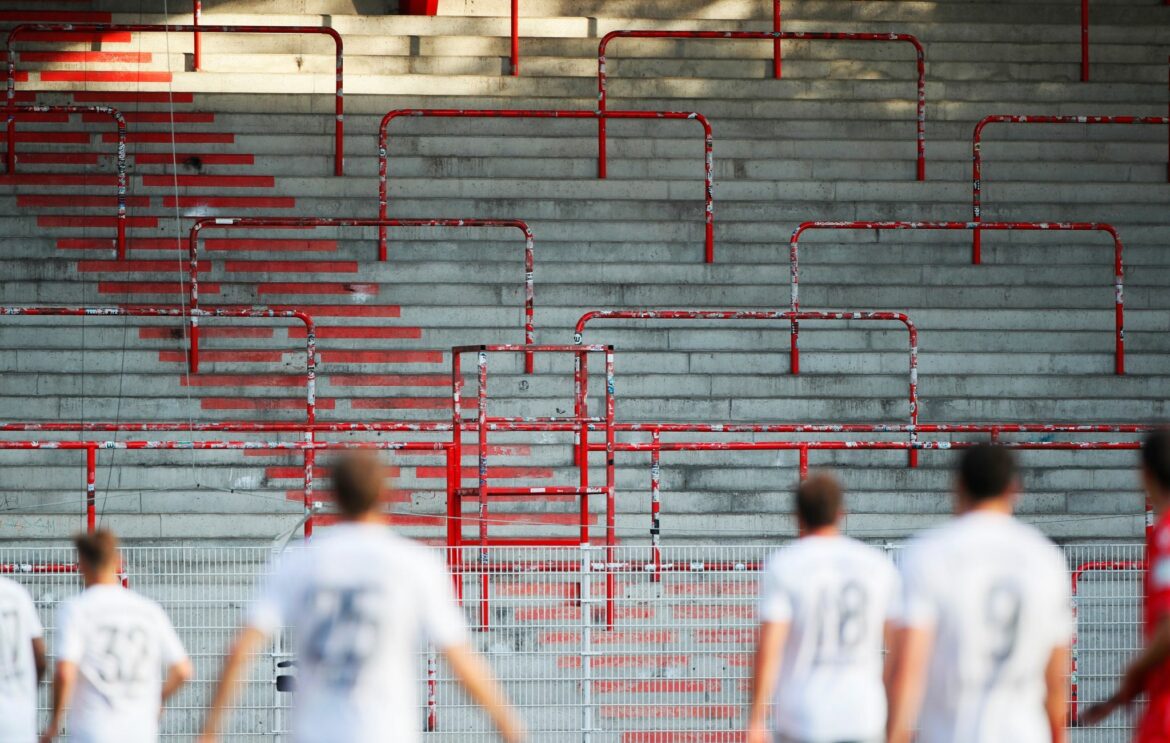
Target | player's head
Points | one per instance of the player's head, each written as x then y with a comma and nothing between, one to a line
1156,468
819,502
97,556
358,484
987,474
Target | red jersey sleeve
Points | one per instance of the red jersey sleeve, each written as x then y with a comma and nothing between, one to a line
1158,577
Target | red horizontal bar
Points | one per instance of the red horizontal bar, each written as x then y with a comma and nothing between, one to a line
407,403
151,287
351,332
207,158
628,711
381,357
54,16
86,57
209,181
262,403
121,266
252,357
655,686
100,37
291,266
80,201
663,660
53,137
244,380
347,310
212,331
97,243
178,137
230,202
103,76
65,220
49,117
494,473
160,117
267,245
58,158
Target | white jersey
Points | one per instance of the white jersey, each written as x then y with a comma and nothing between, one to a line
19,626
120,642
359,601
836,595
996,594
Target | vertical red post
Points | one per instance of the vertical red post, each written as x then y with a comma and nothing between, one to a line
581,405
1168,118
803,461
1084,41
432,697
10,159
90,488
455,477
610,494
339,109
193,270
515,38
777,58
655,503
197,53
483,490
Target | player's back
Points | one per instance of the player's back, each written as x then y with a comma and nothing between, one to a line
120,642
996,592
19,625
359,600
836,594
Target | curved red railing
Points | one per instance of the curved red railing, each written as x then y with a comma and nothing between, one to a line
776,36
786,315
708,148
1118,288
1077,573
228,223
977,152
777,60
98,28
120,158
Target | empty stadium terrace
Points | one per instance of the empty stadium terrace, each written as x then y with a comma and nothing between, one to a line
620,281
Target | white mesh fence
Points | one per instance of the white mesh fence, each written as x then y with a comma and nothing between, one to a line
674,666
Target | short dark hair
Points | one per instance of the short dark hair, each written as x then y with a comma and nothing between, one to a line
98,549
986,471
1156,456
357,482
818,500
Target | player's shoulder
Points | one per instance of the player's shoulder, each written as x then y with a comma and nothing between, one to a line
11,588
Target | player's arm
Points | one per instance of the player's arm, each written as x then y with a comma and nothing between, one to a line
64,681
911,653
38,649
1156,652
246,643
1056,696
178,674
765,669
477,679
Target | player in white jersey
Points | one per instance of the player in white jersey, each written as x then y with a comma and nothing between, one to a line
357,601
986,621
22,663
112,646
825,604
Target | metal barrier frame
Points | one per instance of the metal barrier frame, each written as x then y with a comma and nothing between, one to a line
229,223
120,162
977,152
776,36
1118,288
791,316
708,147
310,375
196,29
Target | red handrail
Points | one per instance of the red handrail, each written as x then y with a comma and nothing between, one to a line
790,316
92,28
977,152
119,121
1077,573
1118,289
777,60
708,148
775,36
310,222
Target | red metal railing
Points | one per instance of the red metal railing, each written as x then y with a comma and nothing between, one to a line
229,223
777,60
1077,573
99,28
977,151
484,423
13,112
310,360
775,36
708,147
1118,289
789,316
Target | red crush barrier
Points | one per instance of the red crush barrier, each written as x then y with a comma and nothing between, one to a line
708,147
977,151
1118,289
775,36
92,28
119,121
309,222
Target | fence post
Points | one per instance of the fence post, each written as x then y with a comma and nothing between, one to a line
90,488
586,646
777,58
